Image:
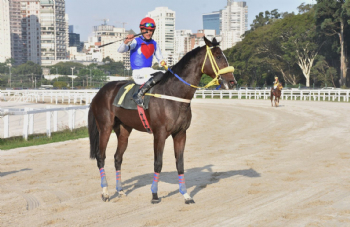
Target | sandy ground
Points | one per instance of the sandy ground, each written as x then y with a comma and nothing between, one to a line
247,164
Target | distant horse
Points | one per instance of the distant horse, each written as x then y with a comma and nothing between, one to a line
166,117
277,93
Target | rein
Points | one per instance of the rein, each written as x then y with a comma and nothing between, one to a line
215,81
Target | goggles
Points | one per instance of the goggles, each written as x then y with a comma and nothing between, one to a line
148,25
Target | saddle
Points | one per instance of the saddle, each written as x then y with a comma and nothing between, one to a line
124,97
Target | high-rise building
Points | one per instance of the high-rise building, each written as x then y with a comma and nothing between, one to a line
30,12
18,53
182,43
233,21
165,31
53,31
5,37
71,29
74,40
25,31
212,21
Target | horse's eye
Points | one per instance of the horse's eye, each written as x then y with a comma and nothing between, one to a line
218,57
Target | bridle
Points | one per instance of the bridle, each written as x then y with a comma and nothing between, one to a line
218,72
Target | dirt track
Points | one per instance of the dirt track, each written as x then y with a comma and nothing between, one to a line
247,164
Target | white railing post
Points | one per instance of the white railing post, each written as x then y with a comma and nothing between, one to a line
87,116
73,119
55,121
48,122
221,94
6,124
71,113
31,123
25,124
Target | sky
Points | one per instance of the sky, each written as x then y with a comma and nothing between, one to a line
84,14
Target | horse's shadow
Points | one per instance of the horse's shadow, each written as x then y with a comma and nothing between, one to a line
199,178
2,174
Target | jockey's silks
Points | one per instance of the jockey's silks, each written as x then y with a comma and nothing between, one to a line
142,55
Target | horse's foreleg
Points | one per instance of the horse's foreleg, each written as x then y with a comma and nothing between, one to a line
271,98
179,147
159,142
101,156
123,133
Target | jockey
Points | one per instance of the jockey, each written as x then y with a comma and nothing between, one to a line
275,84
142,50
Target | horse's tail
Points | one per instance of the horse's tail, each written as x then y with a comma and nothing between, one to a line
94,136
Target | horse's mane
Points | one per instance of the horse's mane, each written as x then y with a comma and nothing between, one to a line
182,64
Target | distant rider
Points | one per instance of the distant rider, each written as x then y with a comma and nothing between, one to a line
275,84
142,50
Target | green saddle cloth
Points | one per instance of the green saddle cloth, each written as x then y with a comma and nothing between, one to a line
124,96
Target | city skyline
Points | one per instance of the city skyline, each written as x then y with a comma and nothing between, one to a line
130,14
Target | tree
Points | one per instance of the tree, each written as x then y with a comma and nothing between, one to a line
332,17
324,72
27,68
300,41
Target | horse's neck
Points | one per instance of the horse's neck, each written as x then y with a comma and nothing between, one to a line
191,74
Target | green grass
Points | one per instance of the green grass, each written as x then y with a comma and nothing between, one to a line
39,139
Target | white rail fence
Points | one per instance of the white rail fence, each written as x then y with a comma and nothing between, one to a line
310,95
84,97
51,120
81,97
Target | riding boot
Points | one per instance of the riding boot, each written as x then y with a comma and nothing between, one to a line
137,97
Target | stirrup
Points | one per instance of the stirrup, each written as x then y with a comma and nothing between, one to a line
138,100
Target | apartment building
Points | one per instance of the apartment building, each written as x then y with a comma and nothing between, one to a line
182,44
30,12
212,21
232,22
18,50
5,35
107,34
165,31
53,31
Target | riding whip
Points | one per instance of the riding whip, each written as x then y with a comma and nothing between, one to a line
122,39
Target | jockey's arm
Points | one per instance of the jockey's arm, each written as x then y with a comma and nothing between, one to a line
125,47
159,56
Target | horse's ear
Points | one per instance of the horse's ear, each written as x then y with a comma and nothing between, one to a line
215,42
207,42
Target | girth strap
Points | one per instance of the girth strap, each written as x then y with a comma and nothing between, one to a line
143,118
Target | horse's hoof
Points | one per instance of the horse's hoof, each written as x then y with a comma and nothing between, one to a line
189,201
105,198
121,194
155,198
155,201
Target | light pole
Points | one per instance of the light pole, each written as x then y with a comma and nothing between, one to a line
72,75
9,65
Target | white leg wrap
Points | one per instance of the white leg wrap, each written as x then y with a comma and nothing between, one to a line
186,196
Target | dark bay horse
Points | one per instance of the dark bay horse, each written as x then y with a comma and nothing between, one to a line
277,93
166,117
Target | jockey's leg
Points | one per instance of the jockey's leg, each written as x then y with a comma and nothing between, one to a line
137,97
